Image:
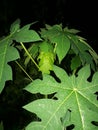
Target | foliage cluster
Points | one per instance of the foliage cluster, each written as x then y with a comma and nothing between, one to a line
58,70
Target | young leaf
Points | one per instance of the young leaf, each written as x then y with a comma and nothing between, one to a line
7,54
74,93
46,57
46,61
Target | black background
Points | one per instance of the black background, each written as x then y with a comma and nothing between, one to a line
78,14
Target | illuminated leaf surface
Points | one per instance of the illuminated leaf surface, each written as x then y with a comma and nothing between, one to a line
73,93
7,54
26,35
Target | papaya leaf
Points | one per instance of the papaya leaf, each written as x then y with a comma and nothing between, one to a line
73,93
57,36
81,48
7,54
64,38
26,35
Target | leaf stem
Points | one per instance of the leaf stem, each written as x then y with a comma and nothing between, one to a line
29,55
74,71
24,71
46,96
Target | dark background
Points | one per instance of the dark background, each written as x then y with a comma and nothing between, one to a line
78,14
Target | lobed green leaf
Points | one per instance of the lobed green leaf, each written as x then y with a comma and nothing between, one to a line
7,54
73,93
26,35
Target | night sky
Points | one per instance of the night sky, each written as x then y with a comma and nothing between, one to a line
78,14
